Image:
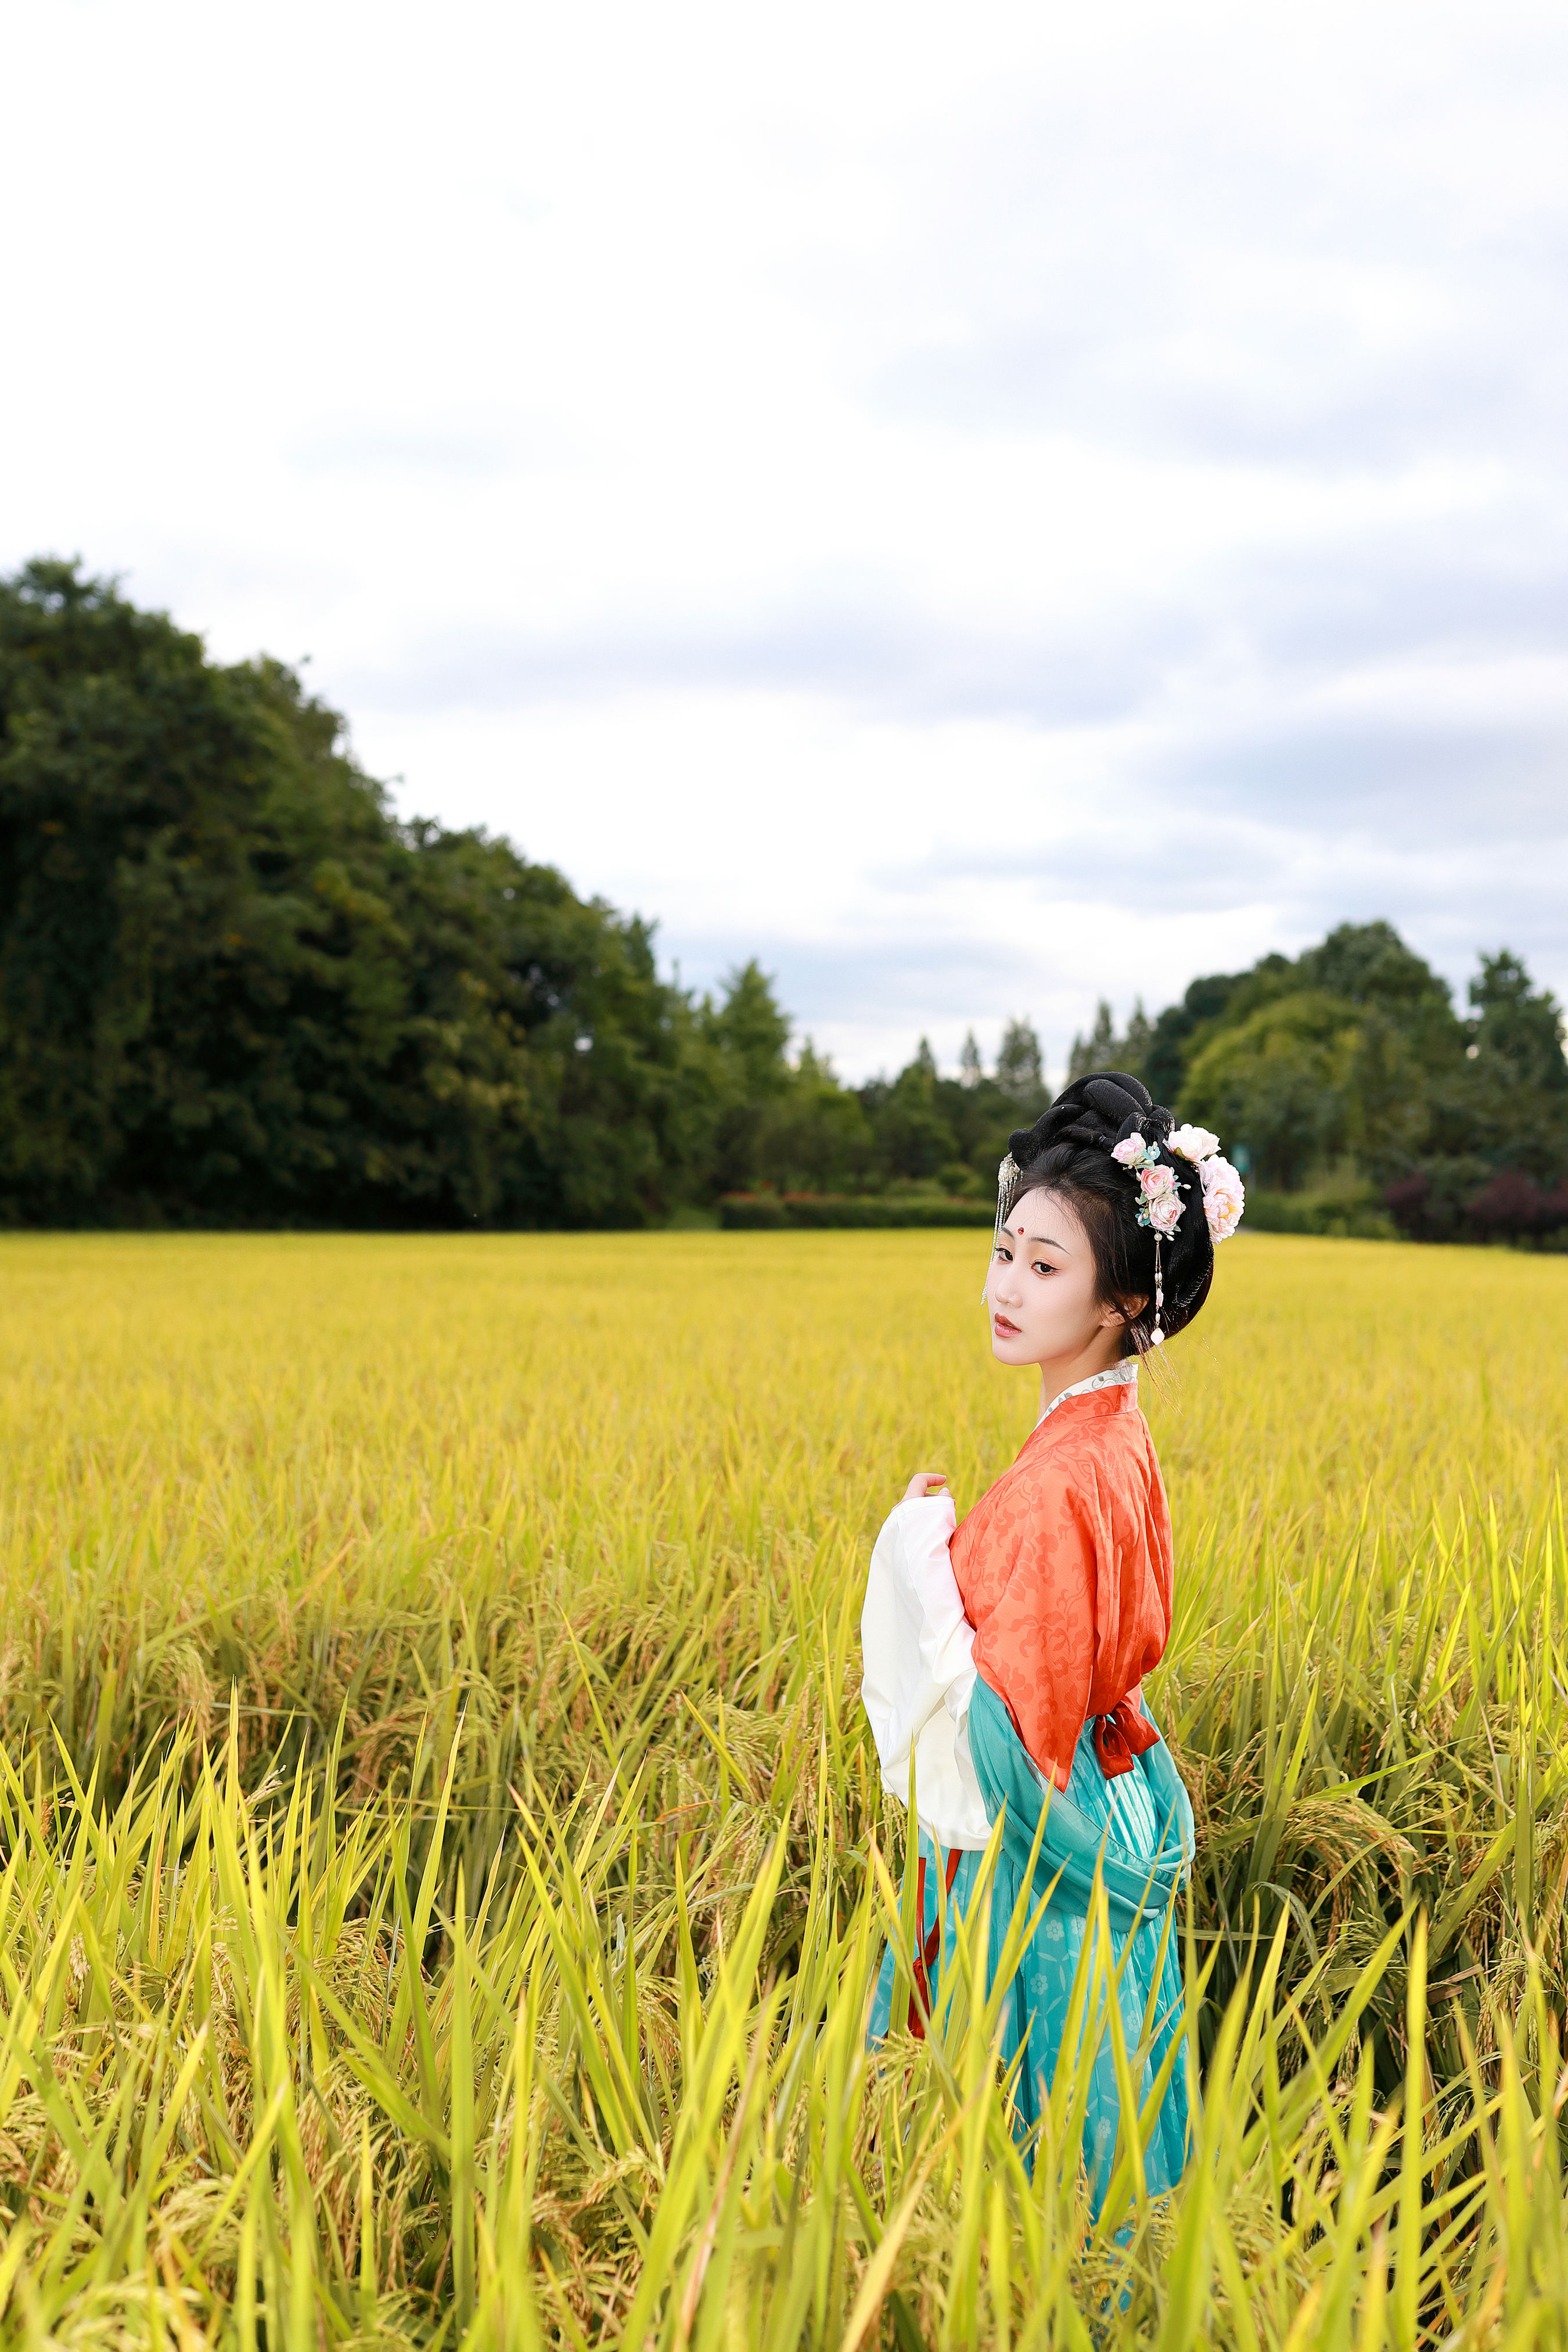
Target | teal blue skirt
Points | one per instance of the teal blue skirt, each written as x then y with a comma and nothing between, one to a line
1136,1830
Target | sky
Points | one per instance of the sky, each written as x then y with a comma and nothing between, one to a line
979,508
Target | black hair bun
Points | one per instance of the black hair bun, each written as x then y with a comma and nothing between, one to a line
1099,1110
1090,1116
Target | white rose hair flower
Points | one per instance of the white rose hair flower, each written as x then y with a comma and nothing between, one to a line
1193,1142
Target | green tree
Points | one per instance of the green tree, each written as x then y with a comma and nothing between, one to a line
1500,1102
1368,965
1098,1050
914,1141
1278,1085
1172,1036
1353,1051
752,1029
1518,1026
233,989
814,1137
1388,1108
1020,1070
747,1035
1103,1049
1134,1048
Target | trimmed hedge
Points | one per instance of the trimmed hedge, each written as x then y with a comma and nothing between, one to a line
772,1212
1330,1216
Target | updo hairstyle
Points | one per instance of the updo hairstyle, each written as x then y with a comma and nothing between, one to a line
1067,1153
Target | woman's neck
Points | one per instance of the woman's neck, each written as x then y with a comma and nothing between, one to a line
1057,1376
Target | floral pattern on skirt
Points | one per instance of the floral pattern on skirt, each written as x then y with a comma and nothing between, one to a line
1126,1812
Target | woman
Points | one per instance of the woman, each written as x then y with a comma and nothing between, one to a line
1008,1653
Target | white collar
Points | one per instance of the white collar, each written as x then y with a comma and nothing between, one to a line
1120,1376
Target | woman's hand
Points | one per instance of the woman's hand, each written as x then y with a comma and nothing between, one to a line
922,1482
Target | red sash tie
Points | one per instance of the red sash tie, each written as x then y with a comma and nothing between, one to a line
1120,1735
920,1995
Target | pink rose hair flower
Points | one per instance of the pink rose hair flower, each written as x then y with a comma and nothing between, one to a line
1224,1197
1134,1152
1159,1196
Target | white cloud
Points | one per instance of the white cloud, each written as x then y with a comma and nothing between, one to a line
985,511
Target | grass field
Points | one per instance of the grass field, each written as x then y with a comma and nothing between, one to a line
442,1865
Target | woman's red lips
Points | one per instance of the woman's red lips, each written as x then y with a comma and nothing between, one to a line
1000,1323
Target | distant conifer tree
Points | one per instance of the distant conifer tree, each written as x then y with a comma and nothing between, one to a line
1020,1071
1098,1050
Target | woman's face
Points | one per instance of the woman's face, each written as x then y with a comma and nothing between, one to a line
1041,1289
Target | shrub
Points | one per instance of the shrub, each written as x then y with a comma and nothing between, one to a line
1461,1200
1429,1203
818,1212
1512,1207
1331,1215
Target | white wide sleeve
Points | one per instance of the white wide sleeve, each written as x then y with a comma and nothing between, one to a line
916,1643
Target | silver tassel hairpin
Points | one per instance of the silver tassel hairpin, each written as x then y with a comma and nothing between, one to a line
1006,1176
1157,1337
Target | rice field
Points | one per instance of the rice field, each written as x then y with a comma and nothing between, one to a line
442,1864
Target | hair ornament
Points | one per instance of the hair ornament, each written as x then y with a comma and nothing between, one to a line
1110,1116
1006,1177
1160,1202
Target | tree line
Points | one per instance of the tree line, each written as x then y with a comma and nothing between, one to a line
237,989
1348,1068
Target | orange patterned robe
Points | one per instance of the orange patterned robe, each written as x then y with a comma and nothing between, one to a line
1064,1567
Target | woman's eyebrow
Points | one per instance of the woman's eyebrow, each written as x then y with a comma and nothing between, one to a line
1047,1241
